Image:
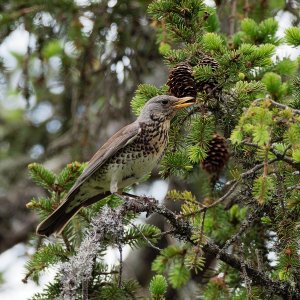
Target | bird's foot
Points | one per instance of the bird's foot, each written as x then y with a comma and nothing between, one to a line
120,195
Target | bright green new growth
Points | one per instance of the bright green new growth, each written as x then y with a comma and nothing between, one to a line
158,287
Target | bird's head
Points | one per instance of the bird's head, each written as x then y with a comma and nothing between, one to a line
164,107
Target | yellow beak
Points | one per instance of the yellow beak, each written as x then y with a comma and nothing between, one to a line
184,102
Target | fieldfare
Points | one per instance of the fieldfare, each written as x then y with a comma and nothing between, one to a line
123,160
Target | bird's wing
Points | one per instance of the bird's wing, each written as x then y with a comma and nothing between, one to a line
118,141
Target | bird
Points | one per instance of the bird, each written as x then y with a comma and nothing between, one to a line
123,160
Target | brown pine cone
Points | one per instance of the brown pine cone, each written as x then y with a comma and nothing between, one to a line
217,155
181,81
208,86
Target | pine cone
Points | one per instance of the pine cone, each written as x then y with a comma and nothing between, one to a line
181,81
208,86
217,155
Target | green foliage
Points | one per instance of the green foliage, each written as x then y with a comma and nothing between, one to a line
177,163
176,262
216,289
51,291
264,32
296,92
198,138
47,256
69,174
263,188
142,95
286,67
184,21
42,176
178,274
212,41
140,235
52,48
274,85
158,287
292,36
245,94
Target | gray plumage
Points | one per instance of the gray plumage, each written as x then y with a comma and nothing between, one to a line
127,156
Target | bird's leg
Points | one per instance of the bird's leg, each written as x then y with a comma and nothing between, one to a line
113,185
120,195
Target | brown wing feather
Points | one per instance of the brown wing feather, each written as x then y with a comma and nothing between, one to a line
62,215
120,139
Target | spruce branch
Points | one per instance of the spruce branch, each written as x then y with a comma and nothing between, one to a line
121,265
276,104
183,230
246,278
252,217
278,154
223,198
144,237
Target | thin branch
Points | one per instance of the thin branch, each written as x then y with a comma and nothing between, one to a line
121,265
223,198
247,280
259,260
257,167
276,104
145,238
279,155
243,227
202,227
85,289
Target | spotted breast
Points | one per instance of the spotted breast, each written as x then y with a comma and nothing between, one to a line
133,162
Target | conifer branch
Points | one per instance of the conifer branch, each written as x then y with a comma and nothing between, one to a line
223,198
257,213
183,231
144,237
279,155
276,104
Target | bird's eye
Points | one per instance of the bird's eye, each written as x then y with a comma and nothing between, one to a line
164,102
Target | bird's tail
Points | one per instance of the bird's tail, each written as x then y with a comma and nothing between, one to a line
58,220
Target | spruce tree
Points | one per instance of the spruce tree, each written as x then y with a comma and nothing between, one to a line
239,150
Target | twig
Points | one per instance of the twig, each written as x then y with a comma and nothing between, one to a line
223,198
259,260
276,104
244,226
121,265
232,17
247,280
279,155
67,243
202,226
235,183
167,232
145,238
257,167
85,289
